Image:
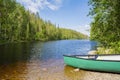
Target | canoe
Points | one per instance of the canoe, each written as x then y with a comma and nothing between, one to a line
103,63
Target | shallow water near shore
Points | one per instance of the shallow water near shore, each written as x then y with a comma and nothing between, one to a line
44,61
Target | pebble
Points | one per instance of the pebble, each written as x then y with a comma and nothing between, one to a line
44,69
76,70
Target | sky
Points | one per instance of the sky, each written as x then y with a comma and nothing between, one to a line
71,14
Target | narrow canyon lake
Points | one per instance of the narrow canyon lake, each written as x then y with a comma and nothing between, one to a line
44,61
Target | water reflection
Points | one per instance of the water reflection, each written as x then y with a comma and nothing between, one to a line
14,52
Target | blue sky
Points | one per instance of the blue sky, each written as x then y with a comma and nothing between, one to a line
70,14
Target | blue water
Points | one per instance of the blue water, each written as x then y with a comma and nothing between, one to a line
43,51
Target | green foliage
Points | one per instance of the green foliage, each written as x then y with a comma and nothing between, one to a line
106,25
18,24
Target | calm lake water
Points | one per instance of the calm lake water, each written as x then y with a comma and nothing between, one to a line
44,61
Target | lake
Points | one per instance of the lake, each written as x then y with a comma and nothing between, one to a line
44,61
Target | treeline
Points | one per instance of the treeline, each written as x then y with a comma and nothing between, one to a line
18,24
105,27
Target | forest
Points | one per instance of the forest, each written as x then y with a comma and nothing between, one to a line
18,24
105,27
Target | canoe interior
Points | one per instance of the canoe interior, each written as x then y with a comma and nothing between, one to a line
99,57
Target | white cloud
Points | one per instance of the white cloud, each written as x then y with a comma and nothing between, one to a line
84,29
53,7
37,5
58,1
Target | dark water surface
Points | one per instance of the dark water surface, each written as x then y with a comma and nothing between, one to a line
44,61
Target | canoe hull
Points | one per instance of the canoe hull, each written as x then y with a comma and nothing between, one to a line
96,65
